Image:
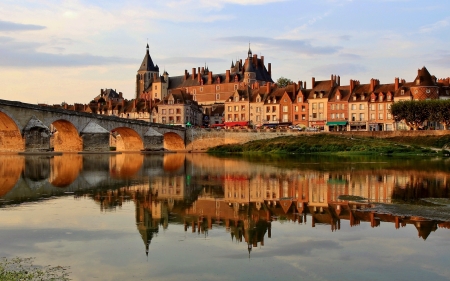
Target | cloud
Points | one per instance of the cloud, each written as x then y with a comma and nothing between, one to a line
24,54
350,56
434,26
339,68
12,26
297,46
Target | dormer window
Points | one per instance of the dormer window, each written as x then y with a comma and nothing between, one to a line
321,95
236,79
417,81
362,97
315,95
380,98
389,97
338,97
402,92
299,99
236,98
354,98
258,99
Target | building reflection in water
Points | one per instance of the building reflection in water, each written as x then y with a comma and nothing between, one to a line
204,192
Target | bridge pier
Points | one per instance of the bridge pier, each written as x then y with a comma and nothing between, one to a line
95,138
153,140
36,136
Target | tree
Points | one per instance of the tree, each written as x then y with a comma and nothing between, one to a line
413,113
283,82
440,112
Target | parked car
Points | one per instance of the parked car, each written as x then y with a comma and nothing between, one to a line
311,129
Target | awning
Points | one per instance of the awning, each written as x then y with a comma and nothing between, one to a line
337,123
239,123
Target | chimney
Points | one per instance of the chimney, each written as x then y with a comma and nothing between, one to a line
185,75
203,70
255,60
295,87
332,81
372,82
193,73
339,80
210,77
269,65
313,82
300,84
352,85
304,85
268,87
262,61
120,95
227,78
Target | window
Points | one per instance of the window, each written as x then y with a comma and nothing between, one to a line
372,116
354,97
332,116
342,106
320,116
332,107
235,87
361,106
230,108
163,120
236,108
389,97
217,96
257,118
258,109
303,108
338,97
178,111
243,107
361,117
303,117
285,108
389,116
296,117
353,106
372,107
314,115
380,106
299,99
314,106
156,87
296,108
402,92
380,116
285,118
218,87
163,111
342,116
353,116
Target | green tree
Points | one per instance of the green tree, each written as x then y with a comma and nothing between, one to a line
413,113
283,82
440,112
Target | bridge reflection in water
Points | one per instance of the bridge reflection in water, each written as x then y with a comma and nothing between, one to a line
243,196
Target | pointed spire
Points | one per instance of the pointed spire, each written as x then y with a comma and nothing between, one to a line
249,50
232,64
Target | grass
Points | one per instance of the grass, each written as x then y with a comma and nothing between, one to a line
23,269
326,143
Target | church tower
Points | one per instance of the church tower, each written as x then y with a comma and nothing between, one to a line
145,74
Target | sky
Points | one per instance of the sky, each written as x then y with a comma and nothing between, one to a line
66,51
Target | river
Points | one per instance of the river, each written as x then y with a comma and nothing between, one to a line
201,217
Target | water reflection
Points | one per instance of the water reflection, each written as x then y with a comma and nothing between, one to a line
243,196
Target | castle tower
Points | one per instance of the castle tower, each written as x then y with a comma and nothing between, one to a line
145,74
249,68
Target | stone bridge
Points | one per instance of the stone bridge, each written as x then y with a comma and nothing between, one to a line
32,128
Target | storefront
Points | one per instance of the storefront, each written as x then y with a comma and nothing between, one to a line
358,126
320,125
236,124
376,126
337,126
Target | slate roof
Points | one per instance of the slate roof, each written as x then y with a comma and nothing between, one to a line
147,63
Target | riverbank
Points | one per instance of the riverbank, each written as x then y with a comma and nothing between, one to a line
342,144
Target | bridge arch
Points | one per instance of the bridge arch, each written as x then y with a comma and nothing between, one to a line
10,137
173,141
65,137
126,139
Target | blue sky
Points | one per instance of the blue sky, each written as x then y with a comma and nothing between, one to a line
54,51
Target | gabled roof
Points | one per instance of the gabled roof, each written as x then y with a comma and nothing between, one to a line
344,92
424,78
